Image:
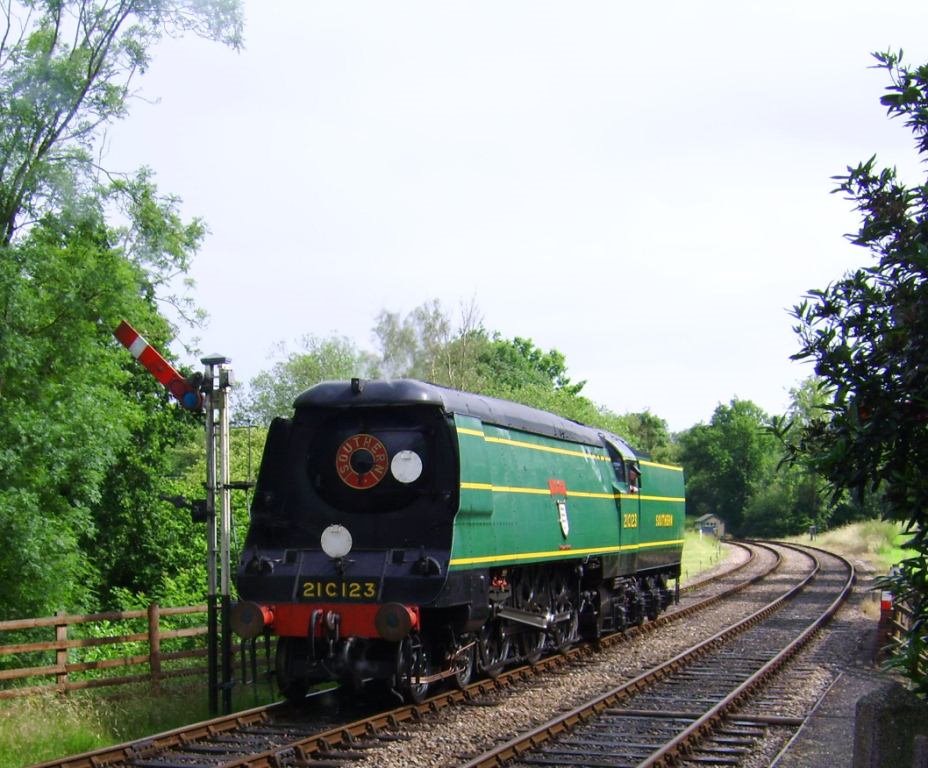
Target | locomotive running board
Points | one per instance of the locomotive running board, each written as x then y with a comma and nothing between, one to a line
536,620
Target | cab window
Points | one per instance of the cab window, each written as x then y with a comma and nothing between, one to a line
618,463
634,476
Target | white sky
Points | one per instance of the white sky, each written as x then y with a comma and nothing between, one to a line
644,187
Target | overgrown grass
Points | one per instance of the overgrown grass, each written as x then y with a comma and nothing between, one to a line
873,546
40,728
875,543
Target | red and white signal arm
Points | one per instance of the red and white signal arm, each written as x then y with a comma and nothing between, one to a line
185,392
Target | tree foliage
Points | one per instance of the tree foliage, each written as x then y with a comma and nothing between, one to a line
868,336
413,345
78,419
271,393
734,468
425,344
510,365
83,431
66,71
727,462
648,433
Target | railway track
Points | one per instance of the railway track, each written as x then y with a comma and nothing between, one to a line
277,735
691,709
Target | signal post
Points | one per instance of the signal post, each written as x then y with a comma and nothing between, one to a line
208,393
217,379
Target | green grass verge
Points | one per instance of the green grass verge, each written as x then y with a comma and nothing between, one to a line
700,553
36,729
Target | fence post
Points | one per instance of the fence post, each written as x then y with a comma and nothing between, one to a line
61,654
154,646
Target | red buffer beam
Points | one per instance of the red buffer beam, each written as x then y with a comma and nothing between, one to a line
185,392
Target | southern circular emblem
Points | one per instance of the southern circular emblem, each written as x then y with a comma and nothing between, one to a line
361,461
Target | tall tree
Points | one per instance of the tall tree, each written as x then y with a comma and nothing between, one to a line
74,419
727,460
271,393
649,433
76,414
868,336
412,345
425,344
66,70
795,498
516,364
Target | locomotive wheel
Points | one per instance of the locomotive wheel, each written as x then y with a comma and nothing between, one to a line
532,644
291,652
464,666
529,594
566,633
412,661
494,645
654,598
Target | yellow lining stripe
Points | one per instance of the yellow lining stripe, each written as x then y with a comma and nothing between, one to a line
530,491
570,494
485,559
531,446
545,448
561,451
469,431
673,467
592,495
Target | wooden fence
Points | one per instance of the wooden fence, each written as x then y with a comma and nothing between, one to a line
56,653
900,624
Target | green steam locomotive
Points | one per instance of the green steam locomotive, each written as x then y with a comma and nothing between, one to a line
404,534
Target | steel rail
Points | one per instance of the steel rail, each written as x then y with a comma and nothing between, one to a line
119,754
704,724
346,735
512,749
694,585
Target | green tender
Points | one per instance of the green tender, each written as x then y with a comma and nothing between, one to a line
529,498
